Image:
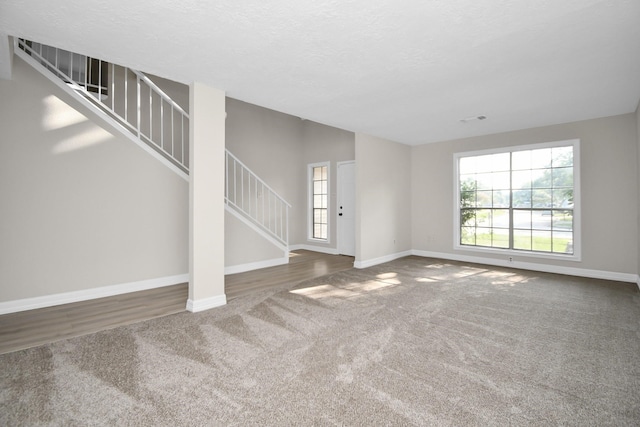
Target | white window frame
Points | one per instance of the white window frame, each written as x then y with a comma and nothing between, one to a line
310,202
508,253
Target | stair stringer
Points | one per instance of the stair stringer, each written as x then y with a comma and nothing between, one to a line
106,118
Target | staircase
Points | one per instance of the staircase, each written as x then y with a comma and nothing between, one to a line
252,201
142,112
122,96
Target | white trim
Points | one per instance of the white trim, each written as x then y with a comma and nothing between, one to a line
546,268
381,260
313,248
88,294
206,303
310,167
577,228
96,110
241,268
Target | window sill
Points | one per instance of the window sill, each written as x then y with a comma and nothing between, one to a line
324,241
509,253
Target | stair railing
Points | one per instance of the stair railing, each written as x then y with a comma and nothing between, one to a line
126,95
255,200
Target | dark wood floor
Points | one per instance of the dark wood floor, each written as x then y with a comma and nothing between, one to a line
36,327
302,265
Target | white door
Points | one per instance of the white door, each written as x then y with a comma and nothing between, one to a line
346,208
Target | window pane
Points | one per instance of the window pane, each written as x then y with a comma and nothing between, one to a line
468,199
521,160
501,199
521,179
317,173
541,198
483,236
484,163
541,220
522,219
468,182
522,199
317,187
317,201
563,242
484,181
324,173
467,165
483,217
541,178
541,241
541,158
562,156
501,162
484,199
323,231
563,197
563,177
562,220
522,239
501,181
468,236
320,216
468,217
500,218
500,238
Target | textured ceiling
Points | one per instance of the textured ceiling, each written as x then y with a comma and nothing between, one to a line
406,70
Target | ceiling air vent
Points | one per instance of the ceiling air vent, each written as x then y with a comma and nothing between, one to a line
472,118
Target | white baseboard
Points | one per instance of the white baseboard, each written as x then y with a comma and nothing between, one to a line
380,260
206,303
88,294
321,249
546,268
241,268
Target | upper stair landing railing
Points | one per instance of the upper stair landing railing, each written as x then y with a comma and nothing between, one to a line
155,122
125,95
255,202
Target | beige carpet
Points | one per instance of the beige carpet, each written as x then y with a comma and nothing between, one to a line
413,342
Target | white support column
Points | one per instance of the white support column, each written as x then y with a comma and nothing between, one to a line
206,197
6,56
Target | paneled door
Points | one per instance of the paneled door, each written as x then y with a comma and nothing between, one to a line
346,208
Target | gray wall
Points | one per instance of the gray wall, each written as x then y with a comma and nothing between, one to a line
638,177
320,144
383,198
278,147
82,207
609,181
269,143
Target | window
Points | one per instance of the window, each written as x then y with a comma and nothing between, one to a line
522,199
319,201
